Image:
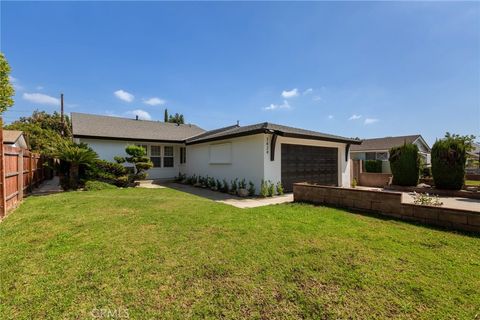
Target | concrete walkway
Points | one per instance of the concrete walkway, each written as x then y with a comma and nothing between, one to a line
228,198
448,202
150,184
48,187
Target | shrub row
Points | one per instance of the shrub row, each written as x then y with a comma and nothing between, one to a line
235,186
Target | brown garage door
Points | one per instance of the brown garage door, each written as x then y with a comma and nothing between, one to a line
309,164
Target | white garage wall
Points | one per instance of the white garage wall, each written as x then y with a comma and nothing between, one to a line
273,168
108,149
246,159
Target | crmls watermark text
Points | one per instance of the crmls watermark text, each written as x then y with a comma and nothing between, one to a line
110,313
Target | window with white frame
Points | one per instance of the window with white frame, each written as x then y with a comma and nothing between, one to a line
369,155
183,155
156,156
382,156
168,157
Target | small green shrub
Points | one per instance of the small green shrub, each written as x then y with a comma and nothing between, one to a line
264,189
251,188
242,184
448,163
92,185
225,186
234,186
180,177
279,188
354,183
218,185
271,189
405,165
374,166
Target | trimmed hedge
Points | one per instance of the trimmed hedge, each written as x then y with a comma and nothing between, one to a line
373,166
448,163
405,165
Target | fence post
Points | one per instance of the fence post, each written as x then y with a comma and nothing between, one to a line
20,175
3,202
31,173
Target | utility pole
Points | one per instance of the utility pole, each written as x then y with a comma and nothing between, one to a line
61,115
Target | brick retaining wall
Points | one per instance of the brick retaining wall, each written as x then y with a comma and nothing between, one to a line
388,204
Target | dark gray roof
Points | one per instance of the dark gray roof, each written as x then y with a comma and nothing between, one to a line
265,127
96,126
384,143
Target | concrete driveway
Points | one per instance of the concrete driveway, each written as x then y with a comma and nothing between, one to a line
228,198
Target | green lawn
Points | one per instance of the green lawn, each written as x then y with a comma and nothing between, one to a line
472,182
160,253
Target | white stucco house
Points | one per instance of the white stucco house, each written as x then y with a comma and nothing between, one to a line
254,152
379,149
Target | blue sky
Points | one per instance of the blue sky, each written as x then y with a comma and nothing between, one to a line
353,69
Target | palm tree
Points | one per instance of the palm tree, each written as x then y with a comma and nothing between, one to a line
75,155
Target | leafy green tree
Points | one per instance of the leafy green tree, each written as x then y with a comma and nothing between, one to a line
177,118
43,130
466,140
6,88
165,116
75,155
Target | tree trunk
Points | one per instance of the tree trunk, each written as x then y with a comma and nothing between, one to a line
73,175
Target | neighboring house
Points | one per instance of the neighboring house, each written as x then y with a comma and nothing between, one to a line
473,157
15,138
257,152
379,149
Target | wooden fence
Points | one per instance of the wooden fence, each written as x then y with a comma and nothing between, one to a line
20,172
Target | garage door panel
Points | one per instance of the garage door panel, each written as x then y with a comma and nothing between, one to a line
308,164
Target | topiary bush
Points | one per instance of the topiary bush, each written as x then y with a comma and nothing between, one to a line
448,163
137,157
405,165
373,166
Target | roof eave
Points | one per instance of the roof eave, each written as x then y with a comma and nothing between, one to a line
229,136
127,139
278,132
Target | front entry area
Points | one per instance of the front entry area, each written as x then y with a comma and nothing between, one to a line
308,164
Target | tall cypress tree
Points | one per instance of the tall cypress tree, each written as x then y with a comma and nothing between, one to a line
165,116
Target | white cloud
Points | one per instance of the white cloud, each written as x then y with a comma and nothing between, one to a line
142,114
124,95
284,105
317,98
308,91
39,88
15,83
370,120
330,116
41,98
355,117
290,94
154,101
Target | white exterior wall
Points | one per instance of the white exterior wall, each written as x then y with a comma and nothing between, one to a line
273,169
108,149
246,160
